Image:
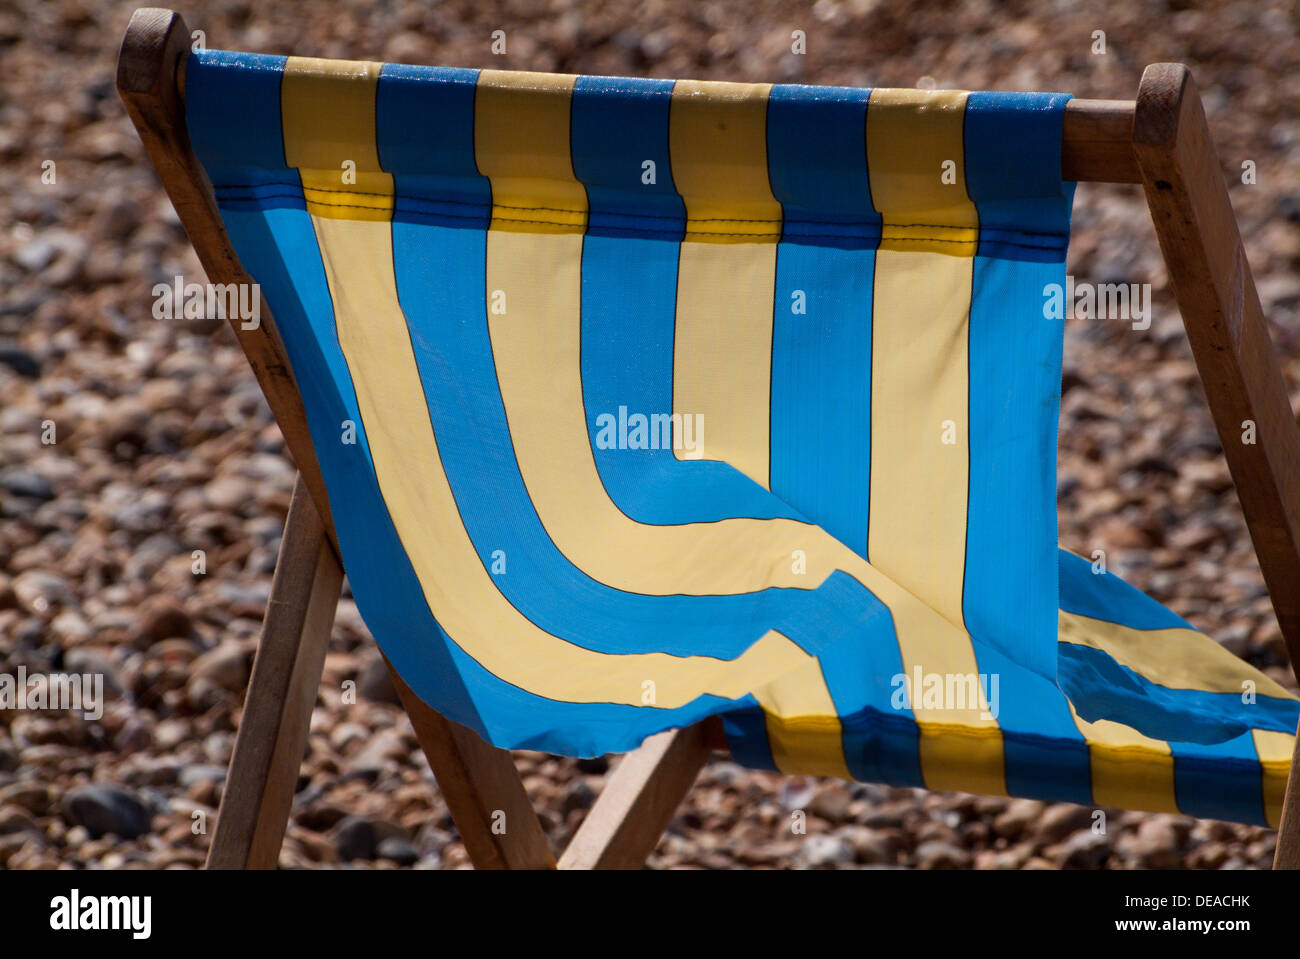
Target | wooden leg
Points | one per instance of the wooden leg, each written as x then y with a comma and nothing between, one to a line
482,788
639,800
1287,855
272,736
1225,324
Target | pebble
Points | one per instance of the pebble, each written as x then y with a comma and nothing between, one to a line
826,850
22,482
941,855
38,591
92,659
32,796
577,796
357,837
831,802
399,850
375,682
873,847
189,775
1084,850
1061,819
381,751
1019,816
15,819
228,666
105,809
161,618
36,255
23,362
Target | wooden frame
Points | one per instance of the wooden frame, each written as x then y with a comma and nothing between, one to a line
1161,140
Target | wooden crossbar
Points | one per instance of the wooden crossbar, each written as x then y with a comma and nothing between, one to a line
1161,140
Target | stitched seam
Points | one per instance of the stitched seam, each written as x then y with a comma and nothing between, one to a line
651,216
686,222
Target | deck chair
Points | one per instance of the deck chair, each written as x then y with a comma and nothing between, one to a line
661,418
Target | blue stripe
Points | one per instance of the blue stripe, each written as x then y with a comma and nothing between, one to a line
1101,688
747,740
820,403
616,126
619,135
1221,781
879,733
270,194
424,128
817,165
424,120
1013,177
1046,755
1014,356
232,112
1106,597
630,366
1013,173
820,443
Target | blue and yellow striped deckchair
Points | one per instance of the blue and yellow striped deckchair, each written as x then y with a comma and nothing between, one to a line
640,402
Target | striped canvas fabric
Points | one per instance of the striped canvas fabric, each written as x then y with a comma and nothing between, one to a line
641,401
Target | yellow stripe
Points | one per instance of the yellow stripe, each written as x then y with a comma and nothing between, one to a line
1175,658
919,408
919,400
803,728
961,749
919,375
344,91
517,116
918,177
1129,770
963,757
1274,750
718,143
727,270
